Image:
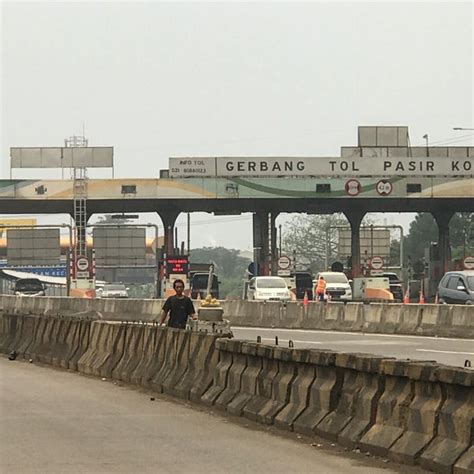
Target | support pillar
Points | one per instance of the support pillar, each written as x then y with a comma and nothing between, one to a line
442,219
273,244
355,219
261,247
168,218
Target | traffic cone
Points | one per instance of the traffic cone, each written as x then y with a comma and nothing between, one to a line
305,299
422,298
406,298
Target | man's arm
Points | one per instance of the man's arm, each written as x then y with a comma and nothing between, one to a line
192,311
164,311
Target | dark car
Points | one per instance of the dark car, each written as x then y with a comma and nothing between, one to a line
457,287
396,287
199,285
303,283
29,287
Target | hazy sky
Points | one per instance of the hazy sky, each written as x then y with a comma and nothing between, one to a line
168,79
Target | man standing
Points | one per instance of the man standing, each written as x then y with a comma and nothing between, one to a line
179,307
321,288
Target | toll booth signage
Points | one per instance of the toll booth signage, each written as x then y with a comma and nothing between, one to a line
177,266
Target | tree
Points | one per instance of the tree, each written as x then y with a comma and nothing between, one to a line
424,231
107,219
306,237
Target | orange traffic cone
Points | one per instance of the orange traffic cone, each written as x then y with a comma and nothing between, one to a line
422,298
305,299
406,298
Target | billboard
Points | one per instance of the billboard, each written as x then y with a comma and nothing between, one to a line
115,246
33,247
62,157
352,166
373,243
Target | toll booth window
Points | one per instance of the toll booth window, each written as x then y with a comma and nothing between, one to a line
129,189
413,188
323,188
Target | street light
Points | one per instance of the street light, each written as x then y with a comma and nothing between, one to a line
425,136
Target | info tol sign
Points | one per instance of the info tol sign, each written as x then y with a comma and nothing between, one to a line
177,265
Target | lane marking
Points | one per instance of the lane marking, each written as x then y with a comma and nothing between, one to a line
359,334
446,352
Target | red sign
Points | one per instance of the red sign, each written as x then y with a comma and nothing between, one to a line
376,263
177,265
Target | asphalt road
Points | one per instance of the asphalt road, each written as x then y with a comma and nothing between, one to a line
448,351
56,422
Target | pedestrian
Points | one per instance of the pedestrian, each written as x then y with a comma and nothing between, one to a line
321,288
179,307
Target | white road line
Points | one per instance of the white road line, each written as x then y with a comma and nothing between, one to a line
446,352
359,334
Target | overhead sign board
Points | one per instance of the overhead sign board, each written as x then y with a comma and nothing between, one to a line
62,157
320,166
373,242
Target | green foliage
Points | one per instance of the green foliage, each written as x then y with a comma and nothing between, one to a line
424,230
305,236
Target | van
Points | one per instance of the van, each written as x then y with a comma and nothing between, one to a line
29,287
337,285
268,288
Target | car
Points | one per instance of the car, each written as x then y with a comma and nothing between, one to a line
29,287
268,288
396,287
457,287
337,285
114,290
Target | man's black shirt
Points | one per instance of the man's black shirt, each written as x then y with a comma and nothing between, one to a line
179,309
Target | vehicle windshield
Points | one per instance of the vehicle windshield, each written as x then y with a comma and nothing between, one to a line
470,282
114,287
335,278
200,281
270,283
28,285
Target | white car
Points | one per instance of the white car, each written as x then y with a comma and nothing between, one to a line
271,288
114,290
337,285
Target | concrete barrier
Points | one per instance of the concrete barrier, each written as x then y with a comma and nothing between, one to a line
248,382
226,350
299,391
455,428
422,414
264,382
281,386
324,392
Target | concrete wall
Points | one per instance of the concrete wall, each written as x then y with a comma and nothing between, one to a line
387,318
413,412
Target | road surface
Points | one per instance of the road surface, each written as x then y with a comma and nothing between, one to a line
450,351
58,422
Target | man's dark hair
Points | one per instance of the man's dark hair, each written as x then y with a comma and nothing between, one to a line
177,281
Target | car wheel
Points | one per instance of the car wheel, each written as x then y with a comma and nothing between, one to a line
469,302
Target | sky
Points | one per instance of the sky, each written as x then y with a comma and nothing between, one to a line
156,80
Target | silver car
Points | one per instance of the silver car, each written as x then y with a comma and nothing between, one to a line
114,290
457,287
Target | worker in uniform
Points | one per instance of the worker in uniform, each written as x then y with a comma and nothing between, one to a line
320,290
